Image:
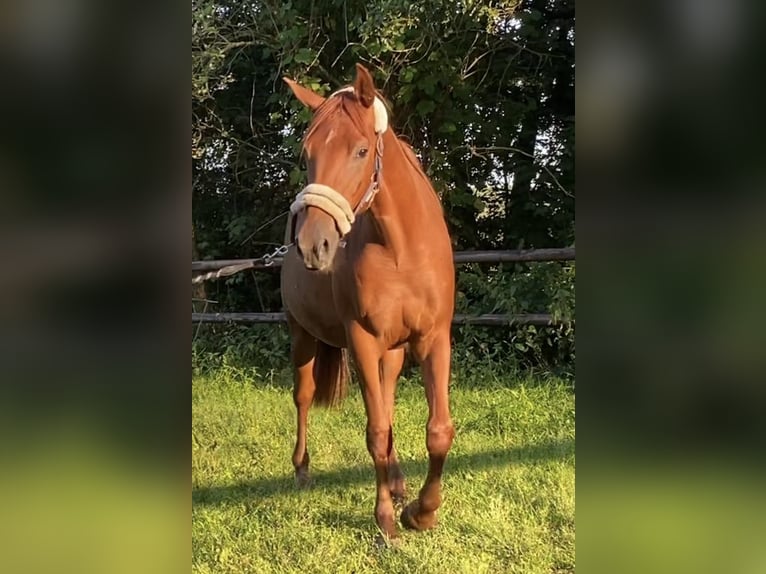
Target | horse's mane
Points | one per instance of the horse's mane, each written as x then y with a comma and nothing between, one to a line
415,164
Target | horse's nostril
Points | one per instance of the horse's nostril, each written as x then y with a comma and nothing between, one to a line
321,249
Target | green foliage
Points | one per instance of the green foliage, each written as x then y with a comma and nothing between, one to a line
262,348
484,92
515,290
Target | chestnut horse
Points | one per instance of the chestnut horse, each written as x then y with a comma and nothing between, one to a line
371,271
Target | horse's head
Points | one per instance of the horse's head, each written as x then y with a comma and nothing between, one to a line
343,149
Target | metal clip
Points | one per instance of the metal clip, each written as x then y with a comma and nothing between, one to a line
268,259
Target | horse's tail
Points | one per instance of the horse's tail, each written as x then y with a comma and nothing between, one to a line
331,375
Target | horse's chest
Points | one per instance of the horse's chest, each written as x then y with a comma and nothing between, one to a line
386,300
308,297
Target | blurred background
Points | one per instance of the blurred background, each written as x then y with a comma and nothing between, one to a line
94,193
670,233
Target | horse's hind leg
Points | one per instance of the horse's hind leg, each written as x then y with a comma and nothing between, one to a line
303,350
434,356
390,367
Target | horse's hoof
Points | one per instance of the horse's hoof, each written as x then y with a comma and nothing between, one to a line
383,542
414,519
302,480
386,521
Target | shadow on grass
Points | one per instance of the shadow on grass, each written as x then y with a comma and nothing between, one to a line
334,480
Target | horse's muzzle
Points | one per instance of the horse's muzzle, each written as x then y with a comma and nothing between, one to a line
316,257
317,240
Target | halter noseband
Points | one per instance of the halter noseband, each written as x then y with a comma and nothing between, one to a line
333,203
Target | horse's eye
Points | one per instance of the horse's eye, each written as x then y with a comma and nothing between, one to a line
362,152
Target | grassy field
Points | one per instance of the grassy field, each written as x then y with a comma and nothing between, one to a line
508,484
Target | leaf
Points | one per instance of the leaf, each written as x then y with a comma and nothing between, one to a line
296,175
427,84
425,107
448,128
304,56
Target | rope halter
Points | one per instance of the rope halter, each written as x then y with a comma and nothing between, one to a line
333,203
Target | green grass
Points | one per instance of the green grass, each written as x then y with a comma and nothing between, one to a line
508,483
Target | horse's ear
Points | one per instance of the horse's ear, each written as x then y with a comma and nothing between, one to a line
307,97
364,86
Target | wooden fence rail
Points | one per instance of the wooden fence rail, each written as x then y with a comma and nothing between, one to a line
538,319
518,255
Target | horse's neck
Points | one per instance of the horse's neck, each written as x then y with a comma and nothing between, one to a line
403,207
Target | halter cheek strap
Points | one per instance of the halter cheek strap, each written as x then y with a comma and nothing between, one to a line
333,203
374,187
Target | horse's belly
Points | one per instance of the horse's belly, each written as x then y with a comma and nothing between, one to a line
307,296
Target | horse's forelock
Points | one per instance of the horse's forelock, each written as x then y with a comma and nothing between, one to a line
342,102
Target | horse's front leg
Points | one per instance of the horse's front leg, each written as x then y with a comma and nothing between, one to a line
303,350
367,353
390,367
434,356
